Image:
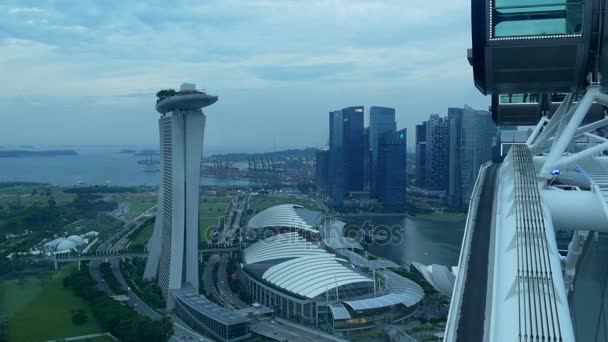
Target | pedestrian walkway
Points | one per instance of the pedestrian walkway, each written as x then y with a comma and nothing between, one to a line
84,337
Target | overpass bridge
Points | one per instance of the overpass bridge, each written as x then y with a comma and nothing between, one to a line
205,249
513,284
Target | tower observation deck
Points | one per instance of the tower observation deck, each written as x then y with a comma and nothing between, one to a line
173,257
545,64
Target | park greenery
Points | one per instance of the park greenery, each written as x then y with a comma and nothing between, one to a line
212,214
417,278
118,319
148,291
32,213
3,331
106,271
52,216
39,308
165,93
101,189
140,236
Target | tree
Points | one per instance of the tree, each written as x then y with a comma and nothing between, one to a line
21,281
79,317
3,329
163,94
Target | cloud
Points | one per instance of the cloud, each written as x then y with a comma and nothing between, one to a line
259,56
26,10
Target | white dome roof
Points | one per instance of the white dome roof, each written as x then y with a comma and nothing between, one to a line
65,245
77,240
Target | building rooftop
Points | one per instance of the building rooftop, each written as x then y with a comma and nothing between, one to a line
286,215
381,302
339,311
311,276
282,246
188,98
439,276
190,297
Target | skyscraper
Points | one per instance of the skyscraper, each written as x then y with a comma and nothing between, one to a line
354,148
437,153
336,158
455,166
478,131
366,160
381,121
421,155
321,168
173,258
391,168
346,153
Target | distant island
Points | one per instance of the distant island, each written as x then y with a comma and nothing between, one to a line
22,153
147,153
128,151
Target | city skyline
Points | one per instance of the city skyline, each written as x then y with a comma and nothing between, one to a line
493,229
109,83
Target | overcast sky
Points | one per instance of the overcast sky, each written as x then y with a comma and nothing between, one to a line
86,72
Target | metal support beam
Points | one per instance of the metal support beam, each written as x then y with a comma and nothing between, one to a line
596,137
569,130
573,158
579,133
563,111
537,130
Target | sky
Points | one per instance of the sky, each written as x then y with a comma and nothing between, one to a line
86,72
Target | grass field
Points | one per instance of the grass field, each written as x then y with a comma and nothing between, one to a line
138,208
15,293
46,314
138,202
26,195
212,211
144,234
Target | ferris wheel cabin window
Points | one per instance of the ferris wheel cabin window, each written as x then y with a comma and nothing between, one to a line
536,18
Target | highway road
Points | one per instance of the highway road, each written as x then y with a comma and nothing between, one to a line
473,310
208,282
283,329
279,329
225,291
118,241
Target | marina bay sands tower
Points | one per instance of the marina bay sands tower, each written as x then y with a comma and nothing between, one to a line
173,248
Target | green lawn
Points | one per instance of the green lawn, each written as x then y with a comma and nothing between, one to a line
212,211
27,195
144,234
15,293
48,313
137,208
